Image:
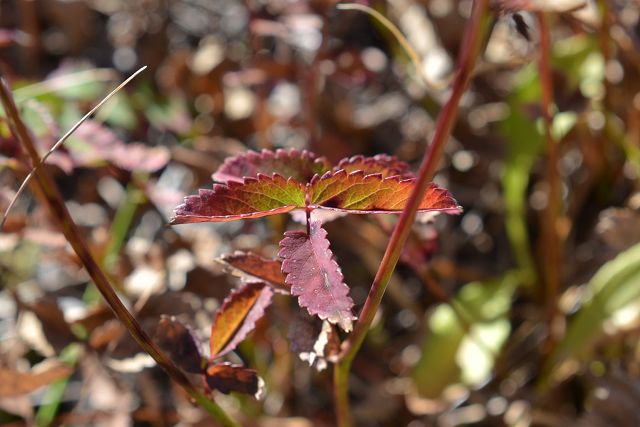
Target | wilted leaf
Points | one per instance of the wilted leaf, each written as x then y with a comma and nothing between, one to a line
315,277
360,193
226,378
299,165
238,316
253,198
54,326
180,344
269,270
13,383
383,164
313,340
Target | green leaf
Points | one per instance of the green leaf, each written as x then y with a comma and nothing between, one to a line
615,286
253,198
464,336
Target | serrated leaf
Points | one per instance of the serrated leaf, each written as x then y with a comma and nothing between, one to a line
381,163
226,378
252,198
238,316
315,277
180,344
299,165
359,193
269,270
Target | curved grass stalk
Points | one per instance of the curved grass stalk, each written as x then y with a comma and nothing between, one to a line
402,40
61,141
59,211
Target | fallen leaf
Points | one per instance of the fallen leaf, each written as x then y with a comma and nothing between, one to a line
14,383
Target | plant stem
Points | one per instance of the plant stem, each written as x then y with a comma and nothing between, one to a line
73,235
550,240
471,45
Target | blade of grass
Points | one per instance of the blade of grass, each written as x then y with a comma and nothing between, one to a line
52,398
59,211
61,141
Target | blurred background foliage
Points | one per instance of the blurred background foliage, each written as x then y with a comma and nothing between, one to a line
467,334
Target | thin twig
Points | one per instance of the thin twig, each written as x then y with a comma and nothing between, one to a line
471,45
59,211
61,141
402,40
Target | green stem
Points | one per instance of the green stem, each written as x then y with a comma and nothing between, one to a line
471,45
58,210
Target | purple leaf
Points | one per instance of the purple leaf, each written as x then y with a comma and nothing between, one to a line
315,277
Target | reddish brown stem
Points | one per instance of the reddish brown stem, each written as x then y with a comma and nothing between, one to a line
551,245
471,44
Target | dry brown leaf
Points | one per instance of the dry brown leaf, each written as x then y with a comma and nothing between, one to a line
14,383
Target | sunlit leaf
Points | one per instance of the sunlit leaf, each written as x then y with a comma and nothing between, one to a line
360,193
226,378
238,316
269,270
253,198
299,165
262,195
315,277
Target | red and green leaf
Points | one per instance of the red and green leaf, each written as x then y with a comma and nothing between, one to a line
315,277
252,198
359,193
269,270
298,165
238,316
226,378
381,163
